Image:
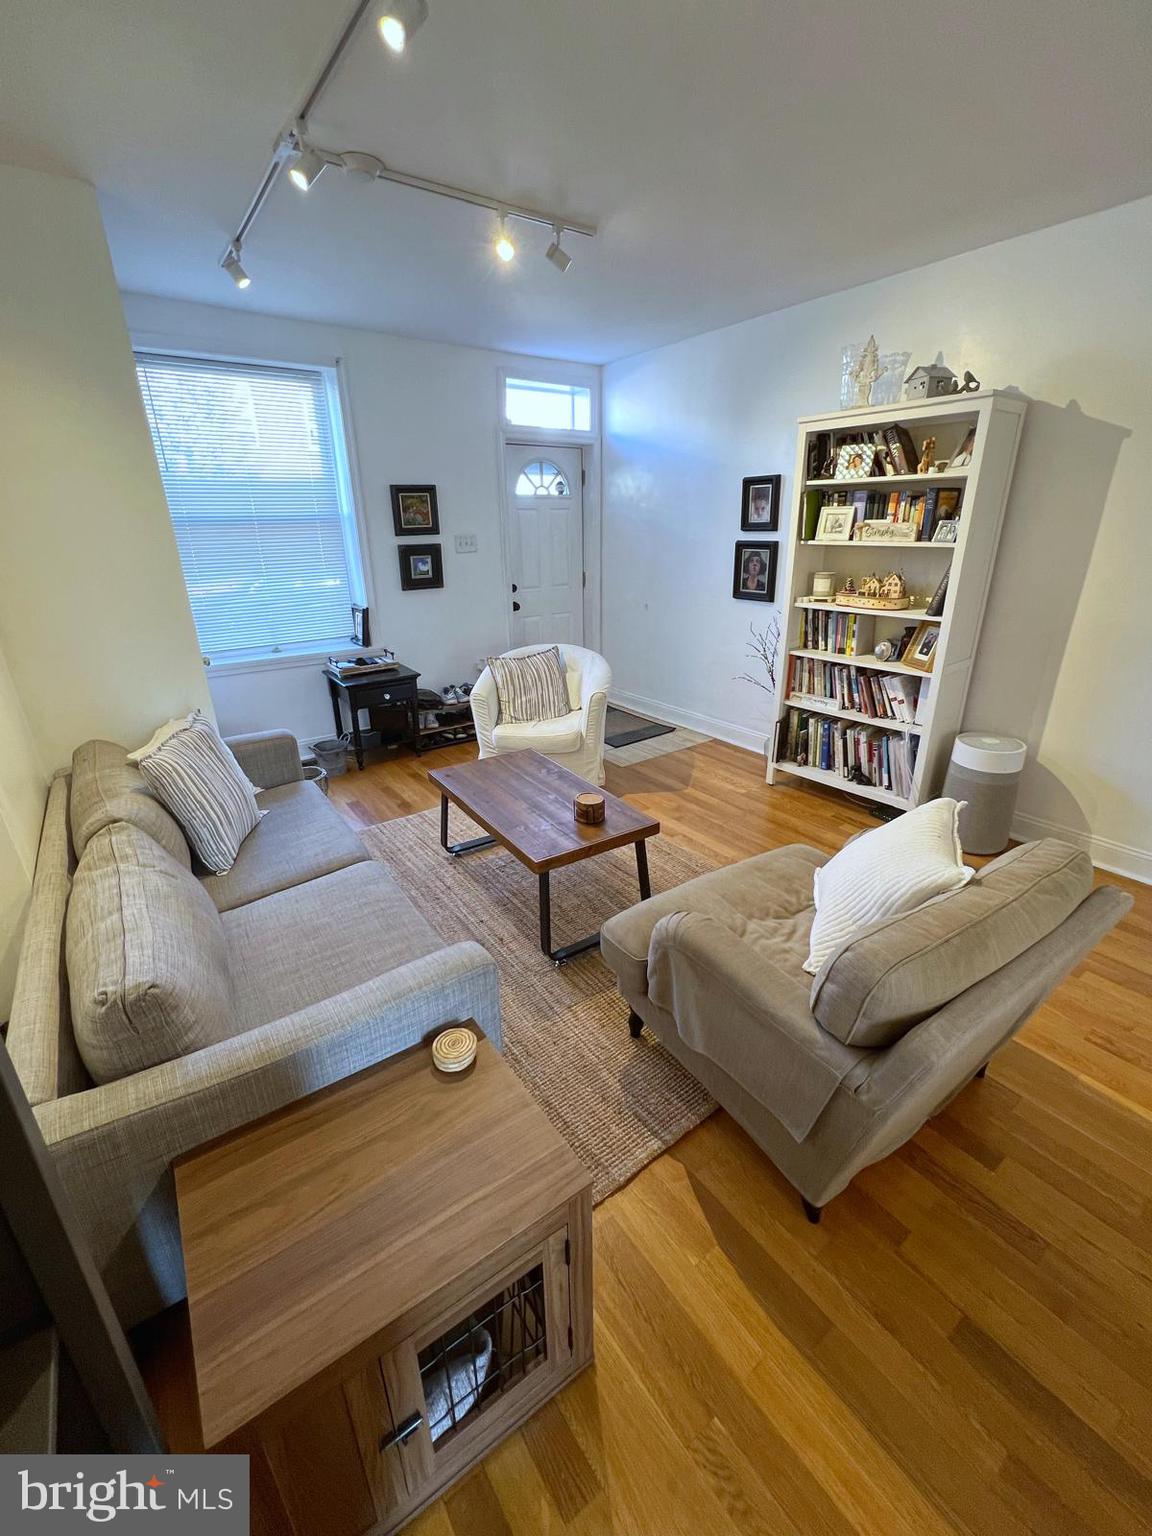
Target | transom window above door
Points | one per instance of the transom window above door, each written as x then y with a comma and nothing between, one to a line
542,478
550,407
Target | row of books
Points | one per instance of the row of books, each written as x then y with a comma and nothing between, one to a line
881,695
923,509
824,631
862,754
894,450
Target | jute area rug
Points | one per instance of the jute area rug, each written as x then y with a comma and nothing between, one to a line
618,1102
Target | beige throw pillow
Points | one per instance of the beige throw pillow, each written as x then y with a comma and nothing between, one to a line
892,869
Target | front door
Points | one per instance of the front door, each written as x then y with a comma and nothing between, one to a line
545,512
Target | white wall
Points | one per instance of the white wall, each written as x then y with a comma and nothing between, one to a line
1064,315
23,783
419,413
94,618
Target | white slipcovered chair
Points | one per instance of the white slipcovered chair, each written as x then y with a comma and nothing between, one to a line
576,739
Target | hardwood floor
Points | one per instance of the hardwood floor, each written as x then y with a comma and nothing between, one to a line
963,1345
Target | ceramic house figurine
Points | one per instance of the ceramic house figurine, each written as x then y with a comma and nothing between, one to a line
928,381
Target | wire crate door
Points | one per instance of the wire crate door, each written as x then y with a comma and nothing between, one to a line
480,1368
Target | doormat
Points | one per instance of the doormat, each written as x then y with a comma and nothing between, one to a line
623,729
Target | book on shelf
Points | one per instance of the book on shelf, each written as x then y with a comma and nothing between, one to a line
880,695
921,716
860,754
821,630
903,450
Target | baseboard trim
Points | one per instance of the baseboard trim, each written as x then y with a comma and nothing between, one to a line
707,725
1116,858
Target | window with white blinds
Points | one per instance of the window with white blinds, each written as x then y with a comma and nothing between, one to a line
255,483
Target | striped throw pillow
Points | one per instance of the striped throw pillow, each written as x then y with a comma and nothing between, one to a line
533,687
194,774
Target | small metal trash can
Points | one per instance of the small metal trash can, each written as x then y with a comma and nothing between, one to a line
985,771
332,755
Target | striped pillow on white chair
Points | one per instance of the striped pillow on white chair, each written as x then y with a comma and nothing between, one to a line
195,775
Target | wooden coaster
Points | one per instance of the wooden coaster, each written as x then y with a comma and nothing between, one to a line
454,1049
589,808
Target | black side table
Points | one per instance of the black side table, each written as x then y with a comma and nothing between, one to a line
395,687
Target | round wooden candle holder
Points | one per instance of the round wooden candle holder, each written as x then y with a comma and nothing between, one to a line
589,808
454,1049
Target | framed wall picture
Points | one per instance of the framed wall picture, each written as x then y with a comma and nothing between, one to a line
920,651
754,572
760,504
414,510
421,567
835,525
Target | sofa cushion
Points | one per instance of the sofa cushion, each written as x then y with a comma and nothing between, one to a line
300,836
892,869
563,734
106,787
147,965
765,900
314,941
897,972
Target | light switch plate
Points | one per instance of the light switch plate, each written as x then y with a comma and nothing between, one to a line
466,544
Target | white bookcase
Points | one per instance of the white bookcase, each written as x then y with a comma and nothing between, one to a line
997,418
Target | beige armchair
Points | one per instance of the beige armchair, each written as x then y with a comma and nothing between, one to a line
828,1076
576,739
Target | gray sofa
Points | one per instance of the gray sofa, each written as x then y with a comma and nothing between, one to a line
329,968
830,1075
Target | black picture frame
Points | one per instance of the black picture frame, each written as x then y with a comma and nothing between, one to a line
361,628
404,510
412,555
752,484
769,552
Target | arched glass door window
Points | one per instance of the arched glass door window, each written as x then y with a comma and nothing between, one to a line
542,478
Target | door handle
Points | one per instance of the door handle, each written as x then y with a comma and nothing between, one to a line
402,1432
515,607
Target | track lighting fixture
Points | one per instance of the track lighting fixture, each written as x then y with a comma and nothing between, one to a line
399,20
235,271
303,160
559,258
505,246
305,168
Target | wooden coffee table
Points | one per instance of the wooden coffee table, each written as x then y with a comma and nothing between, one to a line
524,801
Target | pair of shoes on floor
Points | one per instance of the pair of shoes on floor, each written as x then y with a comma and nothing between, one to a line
456,693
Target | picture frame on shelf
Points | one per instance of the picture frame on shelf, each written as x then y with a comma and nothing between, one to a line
854,461
945,532
421,567
881,530
963,455
835,525
754,570
414,510
760,504
920,652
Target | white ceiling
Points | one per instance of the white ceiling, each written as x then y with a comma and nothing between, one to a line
737,156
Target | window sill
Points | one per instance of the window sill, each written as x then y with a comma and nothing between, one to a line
235,666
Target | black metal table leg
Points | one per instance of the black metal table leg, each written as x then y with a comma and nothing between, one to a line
357,739
456,849
642,870
334,695
545,913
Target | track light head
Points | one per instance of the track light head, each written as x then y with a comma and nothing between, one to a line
399,20
305,167
235,271
559,258
505,246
